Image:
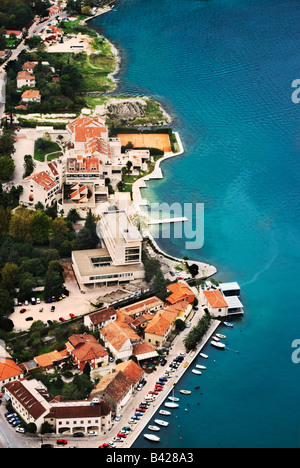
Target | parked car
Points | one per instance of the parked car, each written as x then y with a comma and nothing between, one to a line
72,316
78,434
61,442
105,446
21,430
122,435
29,319
22,311
62,319
53,309
92,433
163,362
118,417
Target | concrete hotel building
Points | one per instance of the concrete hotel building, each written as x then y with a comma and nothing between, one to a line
119,262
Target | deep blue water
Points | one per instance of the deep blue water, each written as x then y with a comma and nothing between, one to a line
224,69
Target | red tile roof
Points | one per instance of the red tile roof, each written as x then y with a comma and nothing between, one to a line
215,298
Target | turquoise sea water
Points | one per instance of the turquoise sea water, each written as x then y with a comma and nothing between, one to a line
224,69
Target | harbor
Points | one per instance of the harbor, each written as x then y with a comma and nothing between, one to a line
171,385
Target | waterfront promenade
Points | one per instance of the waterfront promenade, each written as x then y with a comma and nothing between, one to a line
129,410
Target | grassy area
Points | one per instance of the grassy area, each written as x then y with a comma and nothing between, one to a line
50,147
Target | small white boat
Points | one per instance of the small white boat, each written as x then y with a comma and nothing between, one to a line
165,413
218,345
223,337
195,371
198,366
185,392
215,338
152,437
204,355
172,398
171,405
161,422
154,428
228,324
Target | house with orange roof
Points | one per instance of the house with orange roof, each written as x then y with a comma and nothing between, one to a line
31,95
132,370
115,389
215,302
49,360
160,328
83,129
39,187
180,292
25,78
100,318
151,305
9,370
86,349
120,338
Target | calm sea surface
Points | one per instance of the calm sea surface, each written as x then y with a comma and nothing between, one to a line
224,69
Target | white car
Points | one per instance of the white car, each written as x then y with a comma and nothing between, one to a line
92,433
95,400
21,430
118,417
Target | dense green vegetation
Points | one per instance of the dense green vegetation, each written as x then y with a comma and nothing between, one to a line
32,243
197,333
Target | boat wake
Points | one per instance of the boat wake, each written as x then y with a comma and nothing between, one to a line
259,273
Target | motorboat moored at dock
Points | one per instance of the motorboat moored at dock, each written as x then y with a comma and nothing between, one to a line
152,437
161,422
218,345
204,355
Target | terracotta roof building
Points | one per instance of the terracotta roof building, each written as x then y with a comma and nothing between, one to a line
215,302
30,399
180,292
115,389
120,337
100,318
85,348
74,416
25,78
9,370
143,307
160,328
31,95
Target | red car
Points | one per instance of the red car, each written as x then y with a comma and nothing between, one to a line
122,435
22,311
62,319
141,410
153,392
72,316
105,446
61,442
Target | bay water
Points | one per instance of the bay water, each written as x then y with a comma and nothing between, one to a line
224,69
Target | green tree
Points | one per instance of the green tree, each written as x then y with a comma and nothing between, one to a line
54,285
7,167
20,226
10,275
41,228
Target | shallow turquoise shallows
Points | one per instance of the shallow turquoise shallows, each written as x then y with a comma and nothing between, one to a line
224,69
